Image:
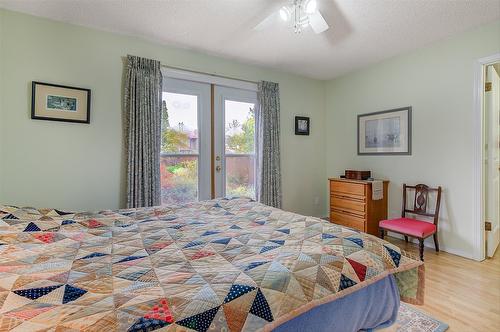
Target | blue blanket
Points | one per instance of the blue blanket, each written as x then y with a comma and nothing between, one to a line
375,306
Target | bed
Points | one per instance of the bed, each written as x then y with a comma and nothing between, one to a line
225,264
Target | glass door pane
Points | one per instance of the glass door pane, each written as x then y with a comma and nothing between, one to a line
239,151
183,154
235,142
179,146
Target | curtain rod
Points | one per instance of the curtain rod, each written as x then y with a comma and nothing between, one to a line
215,75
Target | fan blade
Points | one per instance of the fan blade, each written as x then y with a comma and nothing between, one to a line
317,22
266,22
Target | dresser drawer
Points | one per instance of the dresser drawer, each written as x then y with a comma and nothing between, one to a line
348,220
347,188
356,204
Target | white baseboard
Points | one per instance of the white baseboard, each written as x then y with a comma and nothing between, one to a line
493,238
429,243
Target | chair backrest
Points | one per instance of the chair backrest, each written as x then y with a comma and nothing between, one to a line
420,201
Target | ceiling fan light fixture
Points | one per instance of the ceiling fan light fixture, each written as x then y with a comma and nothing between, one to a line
311,6
303,22
299,15
285,13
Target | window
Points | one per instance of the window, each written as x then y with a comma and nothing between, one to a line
199,162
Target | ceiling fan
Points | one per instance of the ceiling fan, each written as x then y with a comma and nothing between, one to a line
301,14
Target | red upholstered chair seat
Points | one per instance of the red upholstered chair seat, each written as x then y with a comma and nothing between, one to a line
411,227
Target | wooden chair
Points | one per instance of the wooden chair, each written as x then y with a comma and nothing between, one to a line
412,227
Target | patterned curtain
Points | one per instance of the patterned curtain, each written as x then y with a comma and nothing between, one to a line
142,105
268,145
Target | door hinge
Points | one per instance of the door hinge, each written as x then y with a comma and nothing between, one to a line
487,87
487,225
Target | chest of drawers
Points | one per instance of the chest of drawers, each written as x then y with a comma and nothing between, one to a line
351,205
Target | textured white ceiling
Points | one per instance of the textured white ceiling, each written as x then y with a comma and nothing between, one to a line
362,31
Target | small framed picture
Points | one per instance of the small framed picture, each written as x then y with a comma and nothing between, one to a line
60,103
385,133
302,125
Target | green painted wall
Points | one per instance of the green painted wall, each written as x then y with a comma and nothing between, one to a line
77,166
437,81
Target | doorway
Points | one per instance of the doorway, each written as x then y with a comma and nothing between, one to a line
485,241
208,141
491,154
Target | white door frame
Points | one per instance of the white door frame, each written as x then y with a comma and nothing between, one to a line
478,206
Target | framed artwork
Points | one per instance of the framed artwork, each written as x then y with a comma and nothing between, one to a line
385,133
60,103
302,125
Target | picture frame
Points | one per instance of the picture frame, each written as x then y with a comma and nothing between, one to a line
386,132
56,102
302,125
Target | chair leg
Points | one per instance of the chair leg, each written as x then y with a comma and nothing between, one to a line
436,243
406,239
421,248
382,233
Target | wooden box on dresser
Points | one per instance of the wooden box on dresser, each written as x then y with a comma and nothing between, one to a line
351,205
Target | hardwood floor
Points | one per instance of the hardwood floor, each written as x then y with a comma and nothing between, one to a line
463,293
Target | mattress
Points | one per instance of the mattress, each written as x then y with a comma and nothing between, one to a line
225,264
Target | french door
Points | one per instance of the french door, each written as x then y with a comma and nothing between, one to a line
234,145
208,141
185,141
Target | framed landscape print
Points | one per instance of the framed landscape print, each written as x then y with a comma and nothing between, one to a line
385,133
59,103
302,125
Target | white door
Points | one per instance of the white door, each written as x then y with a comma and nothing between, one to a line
492,159
185,163
234,141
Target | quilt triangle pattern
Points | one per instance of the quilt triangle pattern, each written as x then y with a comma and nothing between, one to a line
327,236
147,324
47,237
93,255
267,248
254,265
62,213
72,293
396,256
35,293
284,230
32,227
237,291
356,240
226,264
359,268
222,241
260,307
200,322
160,311
345,282
130,258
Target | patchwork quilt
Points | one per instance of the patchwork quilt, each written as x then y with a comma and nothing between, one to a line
227,264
